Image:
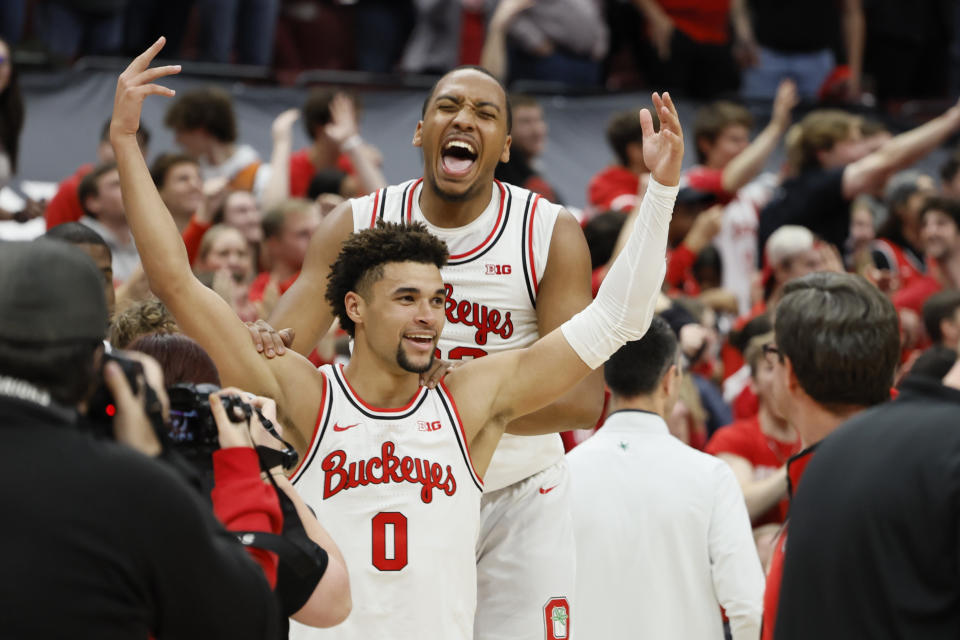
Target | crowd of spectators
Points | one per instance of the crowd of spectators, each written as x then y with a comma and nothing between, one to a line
738,300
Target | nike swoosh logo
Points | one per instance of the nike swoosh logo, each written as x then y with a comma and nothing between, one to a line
546,491
337,427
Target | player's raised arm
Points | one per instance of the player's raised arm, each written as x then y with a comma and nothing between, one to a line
525,380
200,312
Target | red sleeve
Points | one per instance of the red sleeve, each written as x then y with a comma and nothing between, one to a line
679,262
916,294
729,439
65,204
301,173
709,180
193,236
242,502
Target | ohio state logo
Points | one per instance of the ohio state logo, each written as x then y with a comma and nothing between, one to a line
478,315
384,469
556,619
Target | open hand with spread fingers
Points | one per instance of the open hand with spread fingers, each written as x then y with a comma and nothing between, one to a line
663,150
134,84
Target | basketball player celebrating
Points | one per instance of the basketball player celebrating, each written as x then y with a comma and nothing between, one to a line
519,267
394,469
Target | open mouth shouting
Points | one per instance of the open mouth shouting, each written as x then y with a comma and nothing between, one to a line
457,157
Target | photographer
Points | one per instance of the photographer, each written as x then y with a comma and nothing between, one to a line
312,585
102,541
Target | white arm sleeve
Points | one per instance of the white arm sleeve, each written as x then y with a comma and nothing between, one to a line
624,306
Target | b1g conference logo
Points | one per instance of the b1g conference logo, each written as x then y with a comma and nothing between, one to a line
556,618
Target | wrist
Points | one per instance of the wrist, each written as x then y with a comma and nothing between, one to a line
352,142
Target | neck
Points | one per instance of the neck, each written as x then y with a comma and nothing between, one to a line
219,152
774,426
950,270
377,383
282,271
323,153
814,422
441,212
654,404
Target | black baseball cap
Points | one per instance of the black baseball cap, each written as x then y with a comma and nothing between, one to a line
50,292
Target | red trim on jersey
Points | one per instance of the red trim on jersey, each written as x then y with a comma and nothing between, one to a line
463,432
373,216
316,428
493,232
360,400
533,266
413,189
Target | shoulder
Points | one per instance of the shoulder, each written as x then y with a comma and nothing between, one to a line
733,438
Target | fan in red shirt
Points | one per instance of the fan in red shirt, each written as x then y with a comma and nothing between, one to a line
286,230
758,448
940,235
618,187
65,204
837,345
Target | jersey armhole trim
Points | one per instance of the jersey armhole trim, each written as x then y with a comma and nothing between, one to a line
378,199
526,248
446,398
320,427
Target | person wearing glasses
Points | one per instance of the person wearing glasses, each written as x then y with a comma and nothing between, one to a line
835,349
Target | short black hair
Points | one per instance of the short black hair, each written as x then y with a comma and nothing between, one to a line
938,307
75,233
326,181
316,109
949,206
209,109
601,233
506,100
165,162
934,363
623,129
638,367
88,185
842,336
64,369
363,255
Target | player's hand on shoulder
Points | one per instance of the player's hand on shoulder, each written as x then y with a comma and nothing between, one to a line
440,368
268,340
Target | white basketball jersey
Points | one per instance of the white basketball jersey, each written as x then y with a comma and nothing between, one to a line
397,491
492,277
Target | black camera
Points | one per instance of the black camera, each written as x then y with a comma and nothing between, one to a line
101,408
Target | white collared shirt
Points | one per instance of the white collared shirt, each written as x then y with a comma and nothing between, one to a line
663,538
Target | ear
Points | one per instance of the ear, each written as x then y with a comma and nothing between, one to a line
418,135
670,382
505,154
356,306
792,383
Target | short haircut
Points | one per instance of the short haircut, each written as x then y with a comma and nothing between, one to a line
935,363
601,233
326,181
143,134
363,255
209,109
818,131
949,169
275,218
842,336
75,233
938,307
64,369
740,338
88,187
949,206
142,318
165,162
433,89
623,129
181,358
638,367
316,108
713,118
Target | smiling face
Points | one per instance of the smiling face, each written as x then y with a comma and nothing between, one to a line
182,189
399,317
463,135
939,234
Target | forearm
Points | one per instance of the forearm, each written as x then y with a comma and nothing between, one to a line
579,408
650,9
367,172
740,21
746,165
906,148
493,58
763,495
159,243
624,306
854,35
277,188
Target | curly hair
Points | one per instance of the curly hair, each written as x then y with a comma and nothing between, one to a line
210,109
144,317
361,259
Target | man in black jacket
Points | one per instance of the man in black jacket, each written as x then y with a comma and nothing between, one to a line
100,541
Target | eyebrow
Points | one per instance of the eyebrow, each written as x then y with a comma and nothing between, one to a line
459,100
399,290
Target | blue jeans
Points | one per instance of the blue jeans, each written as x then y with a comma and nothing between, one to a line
808,70
247,25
